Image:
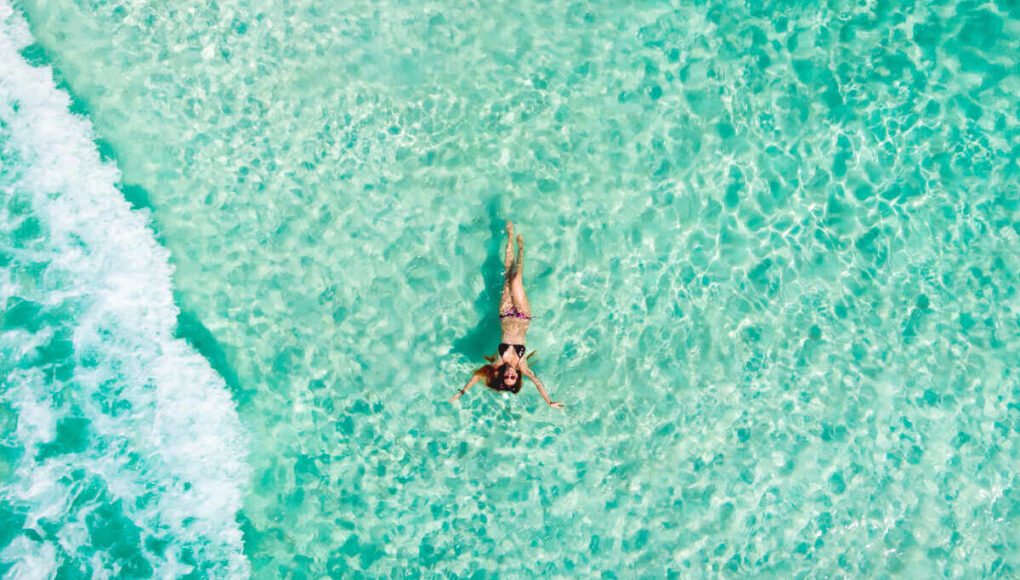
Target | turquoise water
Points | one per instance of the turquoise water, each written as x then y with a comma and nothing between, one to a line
773,258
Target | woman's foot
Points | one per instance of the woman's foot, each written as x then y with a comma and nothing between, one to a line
510,228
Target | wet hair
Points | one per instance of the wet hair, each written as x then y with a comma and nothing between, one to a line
487,373
493,377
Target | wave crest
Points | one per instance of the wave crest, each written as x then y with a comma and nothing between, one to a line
128,457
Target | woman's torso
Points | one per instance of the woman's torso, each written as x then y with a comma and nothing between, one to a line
515,330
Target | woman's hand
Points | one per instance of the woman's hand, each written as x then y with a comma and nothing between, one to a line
471,383
526,371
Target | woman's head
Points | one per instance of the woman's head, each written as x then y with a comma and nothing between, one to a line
503,378
511,378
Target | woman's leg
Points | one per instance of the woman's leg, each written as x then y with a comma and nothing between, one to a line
520,299
508,254
506,300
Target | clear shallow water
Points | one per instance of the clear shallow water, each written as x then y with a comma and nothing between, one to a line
772,255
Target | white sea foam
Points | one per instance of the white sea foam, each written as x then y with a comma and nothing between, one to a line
165,445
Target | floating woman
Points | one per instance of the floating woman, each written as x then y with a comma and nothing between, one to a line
503,373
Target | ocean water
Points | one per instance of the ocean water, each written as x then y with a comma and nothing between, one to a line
121,451
250,249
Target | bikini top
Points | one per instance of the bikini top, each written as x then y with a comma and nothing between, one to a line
518,348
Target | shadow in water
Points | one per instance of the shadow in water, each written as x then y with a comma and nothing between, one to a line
483,338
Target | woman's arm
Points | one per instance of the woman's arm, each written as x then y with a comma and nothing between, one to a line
526,371
471,383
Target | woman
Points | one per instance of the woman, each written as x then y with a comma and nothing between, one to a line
506,367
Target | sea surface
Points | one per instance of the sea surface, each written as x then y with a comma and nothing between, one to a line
248,250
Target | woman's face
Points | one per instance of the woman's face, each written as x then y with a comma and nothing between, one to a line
510,376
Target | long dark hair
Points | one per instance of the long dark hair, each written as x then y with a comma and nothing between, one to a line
493,376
